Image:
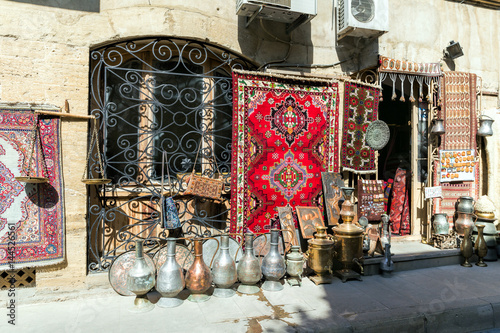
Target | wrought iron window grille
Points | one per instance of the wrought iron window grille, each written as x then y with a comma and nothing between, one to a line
152,95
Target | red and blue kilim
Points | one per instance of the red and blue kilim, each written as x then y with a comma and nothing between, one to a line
285,133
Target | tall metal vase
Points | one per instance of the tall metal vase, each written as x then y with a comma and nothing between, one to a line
480,246
466,246
249,271
198,276
140,280
224,271
170,280
273,265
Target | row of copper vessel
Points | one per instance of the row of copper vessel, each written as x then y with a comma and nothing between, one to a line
170,281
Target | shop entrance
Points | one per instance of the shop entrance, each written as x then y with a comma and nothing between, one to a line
407,150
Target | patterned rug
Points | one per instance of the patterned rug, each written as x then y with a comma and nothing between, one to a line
460,123
399,214
360,109
285,133
34,211
459,111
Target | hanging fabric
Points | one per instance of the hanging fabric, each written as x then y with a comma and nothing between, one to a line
169,213
407,70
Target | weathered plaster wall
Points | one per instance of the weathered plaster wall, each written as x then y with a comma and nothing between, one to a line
44,58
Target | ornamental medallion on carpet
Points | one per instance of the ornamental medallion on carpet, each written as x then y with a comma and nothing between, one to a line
285,133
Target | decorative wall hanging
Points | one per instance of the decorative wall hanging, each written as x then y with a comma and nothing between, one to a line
457,165
377,134
309,219
409,71
31,215
400,205
371,199
360,109
460,121
459,111
285,133
332,183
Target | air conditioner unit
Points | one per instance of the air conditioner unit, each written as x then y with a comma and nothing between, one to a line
289,11
362,18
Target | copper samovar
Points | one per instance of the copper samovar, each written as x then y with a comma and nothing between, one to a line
348,240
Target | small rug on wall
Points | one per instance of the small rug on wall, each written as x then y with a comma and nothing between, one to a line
360,109
285,133
31,215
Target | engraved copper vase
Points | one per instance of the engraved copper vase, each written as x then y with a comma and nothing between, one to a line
320,256
140,280
249,271
198,276
463,220
273,265
224,270
170,280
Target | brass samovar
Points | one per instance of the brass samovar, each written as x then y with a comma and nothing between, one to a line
348,240
320,255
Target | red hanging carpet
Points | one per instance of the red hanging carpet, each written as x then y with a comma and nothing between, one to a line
285,133
360,109
32,212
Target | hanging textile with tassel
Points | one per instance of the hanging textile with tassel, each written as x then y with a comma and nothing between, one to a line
423,73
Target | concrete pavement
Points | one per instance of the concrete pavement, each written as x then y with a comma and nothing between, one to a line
441,299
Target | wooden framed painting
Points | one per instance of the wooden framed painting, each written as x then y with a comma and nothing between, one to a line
290,236
332,182
309,219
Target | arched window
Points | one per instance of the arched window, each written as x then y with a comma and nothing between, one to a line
151,96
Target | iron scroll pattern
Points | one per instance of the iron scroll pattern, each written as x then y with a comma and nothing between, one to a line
152,95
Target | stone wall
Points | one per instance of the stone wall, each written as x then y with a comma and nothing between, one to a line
44,58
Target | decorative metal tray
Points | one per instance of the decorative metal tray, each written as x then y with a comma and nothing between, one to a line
183,256
262,245
118,271
210,248
32,180
377,134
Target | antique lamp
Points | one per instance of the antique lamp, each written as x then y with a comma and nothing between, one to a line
485,126
438,127
453,50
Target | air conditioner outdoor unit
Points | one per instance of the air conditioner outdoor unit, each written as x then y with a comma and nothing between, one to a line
289,11
362,18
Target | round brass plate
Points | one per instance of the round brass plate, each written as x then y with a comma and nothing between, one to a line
96,181
32,180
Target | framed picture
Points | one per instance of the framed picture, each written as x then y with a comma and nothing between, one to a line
332,182
290,236
457,165
309,219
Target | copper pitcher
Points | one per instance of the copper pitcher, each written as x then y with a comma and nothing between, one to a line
198,276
